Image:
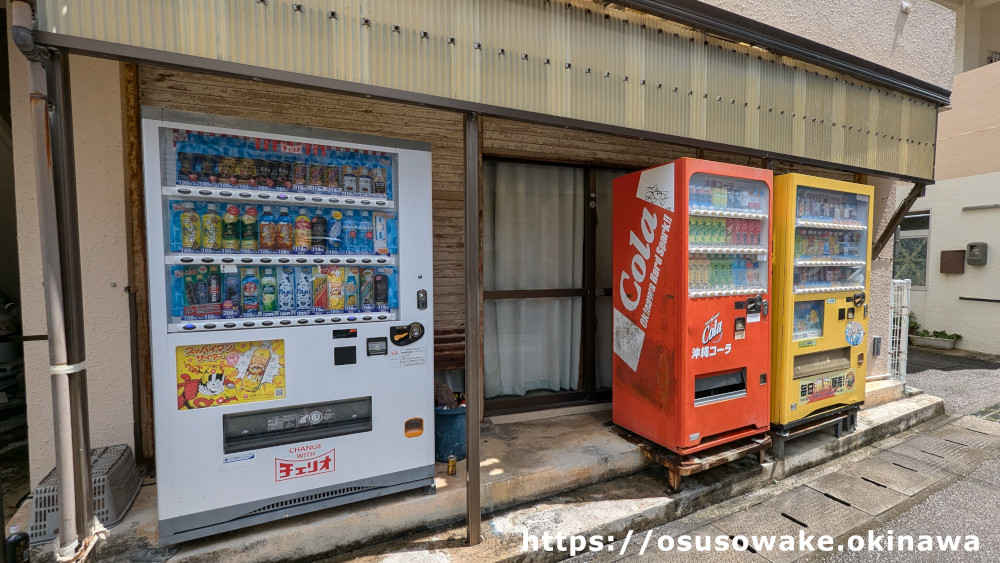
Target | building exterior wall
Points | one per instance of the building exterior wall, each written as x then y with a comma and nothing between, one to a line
969,132
920,44
938,306
967,174
879,311
98,132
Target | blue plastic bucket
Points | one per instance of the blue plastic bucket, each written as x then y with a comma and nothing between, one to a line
449,433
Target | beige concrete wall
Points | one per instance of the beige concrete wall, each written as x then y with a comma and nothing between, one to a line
919,44
98,132
938,307
879,319
969,132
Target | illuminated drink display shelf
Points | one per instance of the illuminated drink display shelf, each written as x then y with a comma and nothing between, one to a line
280,259
273,322
827,289
290,199
726,292
803,263
726,213
722,249
818,224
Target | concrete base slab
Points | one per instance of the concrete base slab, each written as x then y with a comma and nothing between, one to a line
555,464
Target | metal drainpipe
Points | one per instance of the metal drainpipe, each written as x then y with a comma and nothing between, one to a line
55,177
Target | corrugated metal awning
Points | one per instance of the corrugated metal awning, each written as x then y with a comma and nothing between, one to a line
575,63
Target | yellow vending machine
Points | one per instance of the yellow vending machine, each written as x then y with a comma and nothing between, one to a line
821,287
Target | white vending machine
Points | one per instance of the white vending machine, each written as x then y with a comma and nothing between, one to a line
291,327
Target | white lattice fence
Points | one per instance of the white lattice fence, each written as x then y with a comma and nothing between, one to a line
899,302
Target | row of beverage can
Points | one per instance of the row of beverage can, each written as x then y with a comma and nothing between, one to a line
725,231
275,175
230,228
208,292
721,272
824,243
821,205
828,276
718,195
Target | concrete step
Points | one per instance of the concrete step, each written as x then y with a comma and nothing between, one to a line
882,392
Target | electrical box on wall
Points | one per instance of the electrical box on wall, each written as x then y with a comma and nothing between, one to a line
952,261
975,253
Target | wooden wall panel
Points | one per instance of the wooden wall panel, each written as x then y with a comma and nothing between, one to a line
442,129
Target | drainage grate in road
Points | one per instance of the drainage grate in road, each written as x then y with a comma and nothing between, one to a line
966,437
822,514
956,453
860,492
896,472
759,521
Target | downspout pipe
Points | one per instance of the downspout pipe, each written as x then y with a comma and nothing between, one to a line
55,181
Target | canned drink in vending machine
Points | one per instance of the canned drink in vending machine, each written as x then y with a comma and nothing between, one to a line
367,290
382,292
351,290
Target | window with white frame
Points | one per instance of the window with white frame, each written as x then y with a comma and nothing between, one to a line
909,259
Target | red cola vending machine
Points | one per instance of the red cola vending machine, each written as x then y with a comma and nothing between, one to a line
692,276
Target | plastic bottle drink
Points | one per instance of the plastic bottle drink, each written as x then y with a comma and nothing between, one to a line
201,285
364,181
283,232
214,285
351,290
303,233
319,233
303,290
250,293
16,545
268,293
366,234
231,291
268,231
349,179
248,232
334,239
231,229
350,230
190,229
211,229
286,290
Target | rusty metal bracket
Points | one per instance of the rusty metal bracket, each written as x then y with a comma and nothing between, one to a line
918,191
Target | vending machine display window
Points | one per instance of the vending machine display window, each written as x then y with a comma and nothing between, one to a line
831,238
727,235
264,231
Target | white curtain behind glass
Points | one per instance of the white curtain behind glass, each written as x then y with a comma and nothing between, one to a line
532,239
602,340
